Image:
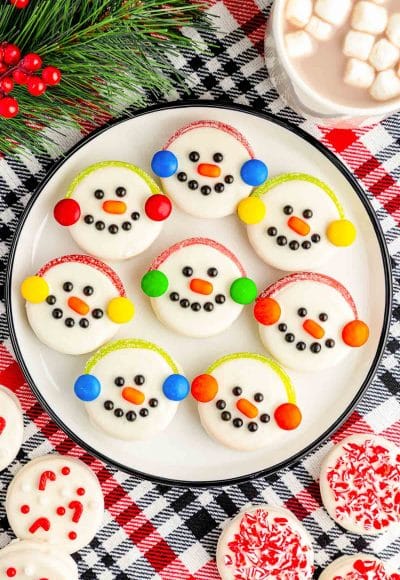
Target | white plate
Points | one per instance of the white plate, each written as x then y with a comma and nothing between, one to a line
184,454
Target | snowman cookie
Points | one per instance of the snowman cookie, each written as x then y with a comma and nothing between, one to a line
295,222
57,500
206,167
360,484
113,210
131,389
198,287
358,567
308,321
245,400
265,542
76,303
27,560
11,427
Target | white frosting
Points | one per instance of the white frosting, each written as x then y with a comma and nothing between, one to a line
344,565
53,331
207,141
123,244
317,298
34,560
80,476
253,376
11,427
300,195
185,321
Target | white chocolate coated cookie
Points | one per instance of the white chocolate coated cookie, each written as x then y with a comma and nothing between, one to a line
358,567
245,401
111,210
57,500
131,389
360,484
76,303
11,427
265,542
27,560
309,321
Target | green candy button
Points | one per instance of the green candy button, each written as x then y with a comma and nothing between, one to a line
243,291
154,283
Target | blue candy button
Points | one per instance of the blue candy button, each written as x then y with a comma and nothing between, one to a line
176,387
254,172
164,163
87,388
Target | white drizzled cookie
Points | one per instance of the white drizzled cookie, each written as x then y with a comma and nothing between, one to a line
76,303
295,221
198,287
358,567
114,210
27,560
131,389
265,542
11,427
207,167
57,500
245,400
360,484
308,321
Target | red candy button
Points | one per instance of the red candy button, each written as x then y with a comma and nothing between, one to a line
288,416
67,212
158,207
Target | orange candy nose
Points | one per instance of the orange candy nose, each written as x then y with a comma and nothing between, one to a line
313,328
247,408
133,395
299,226
78,305
201,286
204,388
209,170
267,311
355,333
288,416
114,206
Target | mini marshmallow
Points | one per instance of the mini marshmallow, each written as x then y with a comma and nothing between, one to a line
359,74
369,17
299,44
393,29
386,86
384,55
358,44
298,12
333,11
319,29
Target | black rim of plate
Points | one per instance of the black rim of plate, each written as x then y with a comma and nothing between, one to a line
384,255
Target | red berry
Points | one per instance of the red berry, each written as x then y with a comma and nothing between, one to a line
32,62
20,77
20,3
12,54
6,85
66,213
158,207
11,572
35,86
51,75
3,67
8,107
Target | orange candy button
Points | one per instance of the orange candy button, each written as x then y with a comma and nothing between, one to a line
204,388
247,408
267,311
313,328
114,206
288,416
78,305
133,395
299,226
201,286
355,333
209,170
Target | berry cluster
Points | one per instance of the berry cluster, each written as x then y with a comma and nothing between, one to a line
15,69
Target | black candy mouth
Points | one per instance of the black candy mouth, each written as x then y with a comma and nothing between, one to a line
315,346
294,245
112,228
195,305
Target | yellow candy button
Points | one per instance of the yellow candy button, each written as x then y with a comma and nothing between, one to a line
341,233
120,310
35,289
251,210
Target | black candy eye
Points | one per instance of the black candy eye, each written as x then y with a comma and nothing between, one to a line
194,156
258,397
99,194
120,191
119,381
288,210
307,214
323,317
88,290
212,272
187,271
302,312
68,286
139,379
218,157
237,391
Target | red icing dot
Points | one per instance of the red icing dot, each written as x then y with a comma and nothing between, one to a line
11,572
25,509
65,471
60,511
72,535
81,491
158,207
67,212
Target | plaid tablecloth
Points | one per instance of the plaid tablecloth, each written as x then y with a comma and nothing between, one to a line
152,531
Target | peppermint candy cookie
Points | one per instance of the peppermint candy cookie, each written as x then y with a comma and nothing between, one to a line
113,210
308,321
76,303
11,427
358,567
57,500
265,542
198,287
360,484
131,389
207,167
27,560
245,401
295,222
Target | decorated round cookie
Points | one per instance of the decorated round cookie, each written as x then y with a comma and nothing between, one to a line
28,560
131,389
11,427
360,484
206,167
76,303
198,287
245,401
114,210
358,567
295,221
265,542
57,500
309,321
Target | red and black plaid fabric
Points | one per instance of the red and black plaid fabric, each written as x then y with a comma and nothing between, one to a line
155,532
